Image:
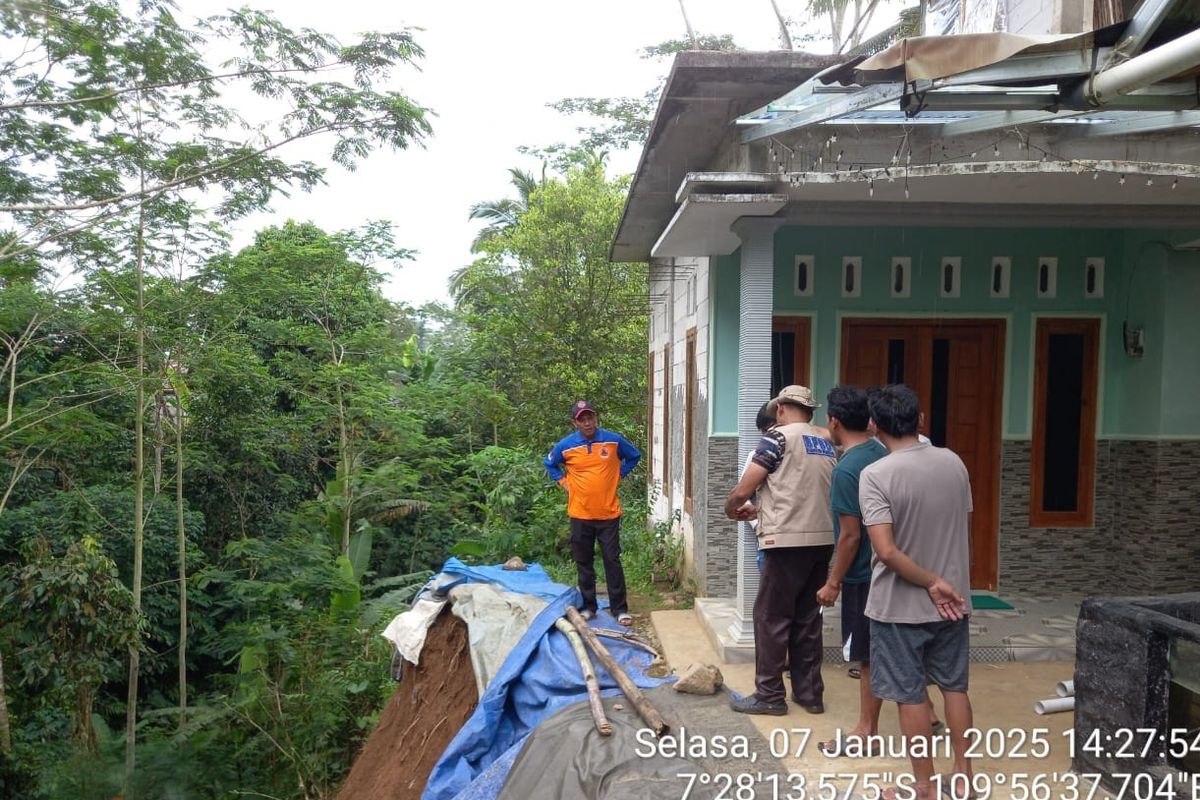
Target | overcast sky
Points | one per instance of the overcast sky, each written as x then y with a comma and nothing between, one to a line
489,71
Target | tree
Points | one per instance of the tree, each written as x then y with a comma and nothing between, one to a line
120,138
70,615
503,213
545,306
318,321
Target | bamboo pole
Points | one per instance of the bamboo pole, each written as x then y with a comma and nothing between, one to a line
647,712
589,676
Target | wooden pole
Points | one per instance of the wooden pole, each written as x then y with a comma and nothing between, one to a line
589,676
647,712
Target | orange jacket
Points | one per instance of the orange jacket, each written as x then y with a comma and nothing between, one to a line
591,470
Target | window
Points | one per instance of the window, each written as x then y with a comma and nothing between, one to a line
949,284
689,418
901,276
1093,278
650,420
1001,276
666,429
1063,469
803,286
852,276
1047,277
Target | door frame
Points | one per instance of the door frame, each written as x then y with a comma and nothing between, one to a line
802,326
1002,327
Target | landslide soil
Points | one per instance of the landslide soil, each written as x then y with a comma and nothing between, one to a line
427,709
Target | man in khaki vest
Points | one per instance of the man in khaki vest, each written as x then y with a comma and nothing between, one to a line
791,470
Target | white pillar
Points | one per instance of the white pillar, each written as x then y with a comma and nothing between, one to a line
756,305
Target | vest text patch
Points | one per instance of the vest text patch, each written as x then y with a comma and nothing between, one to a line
816,446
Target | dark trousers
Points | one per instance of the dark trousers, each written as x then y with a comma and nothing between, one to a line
584,535
787,623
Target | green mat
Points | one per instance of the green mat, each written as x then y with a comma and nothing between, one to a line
987,602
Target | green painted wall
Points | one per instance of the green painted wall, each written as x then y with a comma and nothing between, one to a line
1145,281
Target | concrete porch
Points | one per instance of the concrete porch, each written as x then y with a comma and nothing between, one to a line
1037,628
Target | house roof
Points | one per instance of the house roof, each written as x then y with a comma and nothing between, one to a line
705,91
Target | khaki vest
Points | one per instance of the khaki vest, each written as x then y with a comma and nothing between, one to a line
793,503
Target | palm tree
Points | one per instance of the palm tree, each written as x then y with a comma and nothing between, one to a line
503,214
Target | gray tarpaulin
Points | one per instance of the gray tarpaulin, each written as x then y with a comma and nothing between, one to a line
566,757
496,621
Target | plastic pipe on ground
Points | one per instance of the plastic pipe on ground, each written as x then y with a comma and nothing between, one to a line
1065,688
1053,705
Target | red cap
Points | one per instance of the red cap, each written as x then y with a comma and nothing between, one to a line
581,407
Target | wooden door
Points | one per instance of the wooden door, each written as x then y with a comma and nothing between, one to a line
791,340
956,369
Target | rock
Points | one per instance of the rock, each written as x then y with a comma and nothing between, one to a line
618,707
700,679
515,563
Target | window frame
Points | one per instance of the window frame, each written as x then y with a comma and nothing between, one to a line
1084,514
689,416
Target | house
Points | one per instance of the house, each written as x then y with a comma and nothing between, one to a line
1009,224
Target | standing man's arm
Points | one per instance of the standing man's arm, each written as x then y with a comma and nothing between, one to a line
877,517
554,465
629,455
843,557
751,479
950,604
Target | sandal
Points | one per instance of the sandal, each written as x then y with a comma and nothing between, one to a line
625,619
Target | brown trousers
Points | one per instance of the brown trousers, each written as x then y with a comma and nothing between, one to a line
787,623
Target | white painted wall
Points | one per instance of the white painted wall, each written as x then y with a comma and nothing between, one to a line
679,302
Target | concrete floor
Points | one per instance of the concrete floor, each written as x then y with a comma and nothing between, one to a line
1002,694
1036,628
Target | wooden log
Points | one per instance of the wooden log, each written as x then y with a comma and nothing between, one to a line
647,712
589,676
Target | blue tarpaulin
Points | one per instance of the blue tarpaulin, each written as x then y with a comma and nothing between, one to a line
532,580
540,676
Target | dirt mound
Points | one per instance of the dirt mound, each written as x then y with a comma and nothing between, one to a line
427,709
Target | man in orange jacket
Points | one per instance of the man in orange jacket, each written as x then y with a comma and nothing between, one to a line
589,464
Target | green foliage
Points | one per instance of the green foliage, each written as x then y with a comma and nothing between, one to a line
71,620
545,307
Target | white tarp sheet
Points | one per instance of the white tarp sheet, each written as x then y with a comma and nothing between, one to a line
496,621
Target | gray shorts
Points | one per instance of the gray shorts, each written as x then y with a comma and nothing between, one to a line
905,657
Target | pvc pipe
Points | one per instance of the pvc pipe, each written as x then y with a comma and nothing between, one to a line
1150,67
1065,688
1054,704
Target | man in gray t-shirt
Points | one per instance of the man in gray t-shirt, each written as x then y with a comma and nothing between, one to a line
915,506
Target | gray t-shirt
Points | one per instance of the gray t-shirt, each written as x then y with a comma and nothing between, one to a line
924,492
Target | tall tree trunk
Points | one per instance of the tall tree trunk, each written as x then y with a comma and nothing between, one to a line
688,24
139,489
785,38
182,531
5,725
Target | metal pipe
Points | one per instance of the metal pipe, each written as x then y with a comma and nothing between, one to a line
1053,705
1150,67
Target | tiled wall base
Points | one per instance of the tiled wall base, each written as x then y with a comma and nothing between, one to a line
1146,533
